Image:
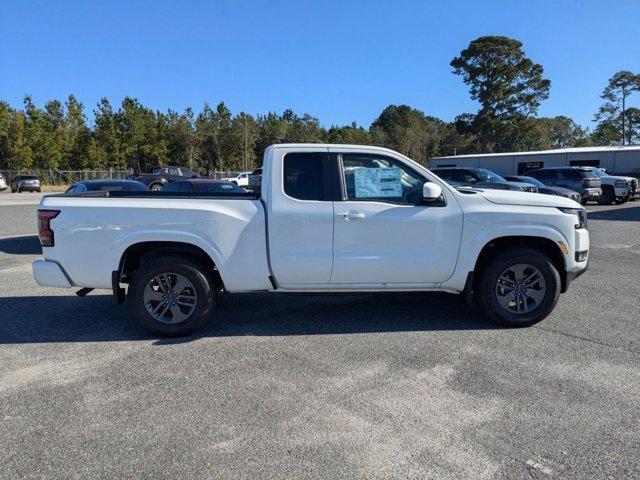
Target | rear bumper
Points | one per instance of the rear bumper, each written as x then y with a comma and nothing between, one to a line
50,274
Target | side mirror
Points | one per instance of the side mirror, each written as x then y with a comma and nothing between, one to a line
431,191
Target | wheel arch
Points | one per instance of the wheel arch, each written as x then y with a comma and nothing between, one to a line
546,245
137,254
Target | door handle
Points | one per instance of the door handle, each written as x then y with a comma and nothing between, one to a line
352,215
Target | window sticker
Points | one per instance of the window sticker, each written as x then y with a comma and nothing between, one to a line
378,182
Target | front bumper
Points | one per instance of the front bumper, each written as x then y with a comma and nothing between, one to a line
591,193
575,268
622,192
50,274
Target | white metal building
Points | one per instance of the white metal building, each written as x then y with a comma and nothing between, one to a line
617,160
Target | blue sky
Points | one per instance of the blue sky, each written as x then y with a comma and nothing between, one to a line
341,61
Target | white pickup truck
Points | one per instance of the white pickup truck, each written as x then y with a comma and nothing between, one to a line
328,218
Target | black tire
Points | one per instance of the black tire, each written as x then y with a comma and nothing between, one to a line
487,285
194,272
583,201
156,187
608,196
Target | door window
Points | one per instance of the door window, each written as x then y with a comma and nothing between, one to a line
303,177
174,171
375,177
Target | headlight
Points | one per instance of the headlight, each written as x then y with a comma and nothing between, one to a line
621,183
580,213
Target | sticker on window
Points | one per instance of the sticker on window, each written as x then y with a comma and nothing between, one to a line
378,182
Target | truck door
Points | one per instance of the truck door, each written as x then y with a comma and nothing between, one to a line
300,216
384,234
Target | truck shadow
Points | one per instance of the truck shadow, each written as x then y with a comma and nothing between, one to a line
629,214
96,318
27,245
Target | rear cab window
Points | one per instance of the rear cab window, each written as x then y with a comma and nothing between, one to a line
303,176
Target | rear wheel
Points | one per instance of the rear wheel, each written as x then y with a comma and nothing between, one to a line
518,287
607,197
156,187
172,296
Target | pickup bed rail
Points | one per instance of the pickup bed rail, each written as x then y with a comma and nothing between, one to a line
161,194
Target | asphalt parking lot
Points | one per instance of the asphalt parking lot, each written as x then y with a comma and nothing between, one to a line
395,385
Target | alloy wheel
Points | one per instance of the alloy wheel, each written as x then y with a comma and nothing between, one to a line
520,289
170,297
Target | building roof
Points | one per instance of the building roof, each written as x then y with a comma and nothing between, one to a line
626,148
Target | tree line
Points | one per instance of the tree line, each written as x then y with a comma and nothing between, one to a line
508,86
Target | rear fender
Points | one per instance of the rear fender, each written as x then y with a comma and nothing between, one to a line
207,246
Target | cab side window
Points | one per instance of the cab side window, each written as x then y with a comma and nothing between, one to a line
376,177
303,175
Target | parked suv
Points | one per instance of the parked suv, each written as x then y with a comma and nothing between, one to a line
161,176
21,183
580,179
614,188
542,188
481,178
241,180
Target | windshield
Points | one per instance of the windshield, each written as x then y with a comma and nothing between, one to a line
488,176
599,173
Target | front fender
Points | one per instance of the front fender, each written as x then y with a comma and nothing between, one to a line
473,243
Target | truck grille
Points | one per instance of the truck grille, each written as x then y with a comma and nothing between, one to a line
591,182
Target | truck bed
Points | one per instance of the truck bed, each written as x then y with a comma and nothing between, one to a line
94,230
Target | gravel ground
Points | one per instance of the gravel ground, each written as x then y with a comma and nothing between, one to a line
394,385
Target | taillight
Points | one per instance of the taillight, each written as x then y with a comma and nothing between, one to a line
44,226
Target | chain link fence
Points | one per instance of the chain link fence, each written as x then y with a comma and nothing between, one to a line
67,177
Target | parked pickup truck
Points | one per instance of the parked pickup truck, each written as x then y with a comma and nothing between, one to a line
329,218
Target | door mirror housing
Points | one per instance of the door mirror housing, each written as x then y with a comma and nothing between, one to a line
431,191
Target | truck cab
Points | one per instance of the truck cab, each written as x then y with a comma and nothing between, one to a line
325,218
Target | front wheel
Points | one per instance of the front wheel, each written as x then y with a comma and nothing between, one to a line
156,187
518,287
172,296
607,197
